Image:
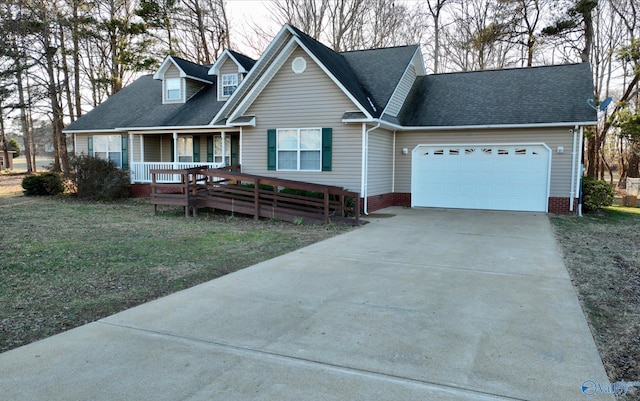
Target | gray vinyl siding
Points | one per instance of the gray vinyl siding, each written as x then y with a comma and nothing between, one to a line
380,162
560,185
173,72
152,149
229,67
82,144
136,155
307,100
399,96
192,87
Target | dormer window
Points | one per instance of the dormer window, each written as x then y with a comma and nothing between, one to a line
172,88
229,84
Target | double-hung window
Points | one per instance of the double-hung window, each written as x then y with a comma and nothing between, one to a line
172,88
108,147
229,84
217,149
185,149
299,149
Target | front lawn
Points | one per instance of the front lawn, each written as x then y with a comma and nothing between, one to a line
602,253
65,263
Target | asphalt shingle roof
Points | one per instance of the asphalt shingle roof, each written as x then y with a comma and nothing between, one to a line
371,65
245,61
140,105
536,95
194,70
340,68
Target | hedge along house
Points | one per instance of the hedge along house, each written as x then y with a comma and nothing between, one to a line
370,121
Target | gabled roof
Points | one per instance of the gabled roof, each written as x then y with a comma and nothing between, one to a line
370,65
338,66
535,95
243,62
139,105
187,69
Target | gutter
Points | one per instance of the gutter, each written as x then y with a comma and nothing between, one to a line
396,127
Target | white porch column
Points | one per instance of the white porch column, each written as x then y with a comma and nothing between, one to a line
141,148
175,150
224,148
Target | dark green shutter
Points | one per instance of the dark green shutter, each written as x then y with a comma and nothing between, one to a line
171,149
326,148
90,146
209,149
196,148
271,149
125,151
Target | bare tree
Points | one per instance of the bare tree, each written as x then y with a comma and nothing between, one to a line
435,10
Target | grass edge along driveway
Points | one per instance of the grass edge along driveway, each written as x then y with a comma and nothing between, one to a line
602,253
66,263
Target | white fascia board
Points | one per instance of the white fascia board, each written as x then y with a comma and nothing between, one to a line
250,76
418,62
395,90
92,131
250,123
174,128
262,82
163,67
333,78
215,68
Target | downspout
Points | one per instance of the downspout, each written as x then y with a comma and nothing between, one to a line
573,169
365,164
580,172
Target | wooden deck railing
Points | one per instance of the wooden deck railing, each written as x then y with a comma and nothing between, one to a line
254,195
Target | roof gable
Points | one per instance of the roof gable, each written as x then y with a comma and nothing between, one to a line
187,69
243,62
521,96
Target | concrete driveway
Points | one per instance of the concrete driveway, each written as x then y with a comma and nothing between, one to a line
416,305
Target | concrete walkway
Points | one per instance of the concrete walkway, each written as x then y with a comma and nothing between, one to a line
417,305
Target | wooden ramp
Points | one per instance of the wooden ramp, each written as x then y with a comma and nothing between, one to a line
258,196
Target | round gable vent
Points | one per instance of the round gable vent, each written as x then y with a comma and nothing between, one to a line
299,65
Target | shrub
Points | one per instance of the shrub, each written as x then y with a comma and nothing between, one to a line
42,184
98,179
596,194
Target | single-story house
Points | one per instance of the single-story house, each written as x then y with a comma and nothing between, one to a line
371,121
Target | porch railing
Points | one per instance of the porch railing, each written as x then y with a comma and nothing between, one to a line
141,171
255,195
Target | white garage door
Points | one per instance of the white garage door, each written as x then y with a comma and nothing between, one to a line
486,176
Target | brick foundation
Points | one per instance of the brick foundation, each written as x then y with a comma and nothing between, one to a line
377,202
140,190
561,206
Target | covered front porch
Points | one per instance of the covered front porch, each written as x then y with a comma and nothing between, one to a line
179,151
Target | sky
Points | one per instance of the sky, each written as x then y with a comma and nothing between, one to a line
244,12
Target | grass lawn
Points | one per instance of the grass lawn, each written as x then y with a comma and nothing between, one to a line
602,253
65,263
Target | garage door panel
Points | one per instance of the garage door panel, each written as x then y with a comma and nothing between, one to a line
481,176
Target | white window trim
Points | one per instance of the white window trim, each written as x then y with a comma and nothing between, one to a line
223,86
166,90
108,152
298,150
